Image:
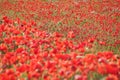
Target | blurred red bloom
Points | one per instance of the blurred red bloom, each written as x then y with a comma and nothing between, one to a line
108,54
112,69
101,68
23,68
102,42
111,77
71,34
80,77
3,47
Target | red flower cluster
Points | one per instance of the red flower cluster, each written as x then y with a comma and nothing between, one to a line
86,18
29,53
59,40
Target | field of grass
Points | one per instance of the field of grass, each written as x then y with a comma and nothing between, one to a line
59,40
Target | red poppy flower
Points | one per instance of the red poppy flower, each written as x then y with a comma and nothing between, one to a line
112,69
3,47
111,77
71,34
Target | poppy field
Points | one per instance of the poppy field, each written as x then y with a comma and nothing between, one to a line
59,39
